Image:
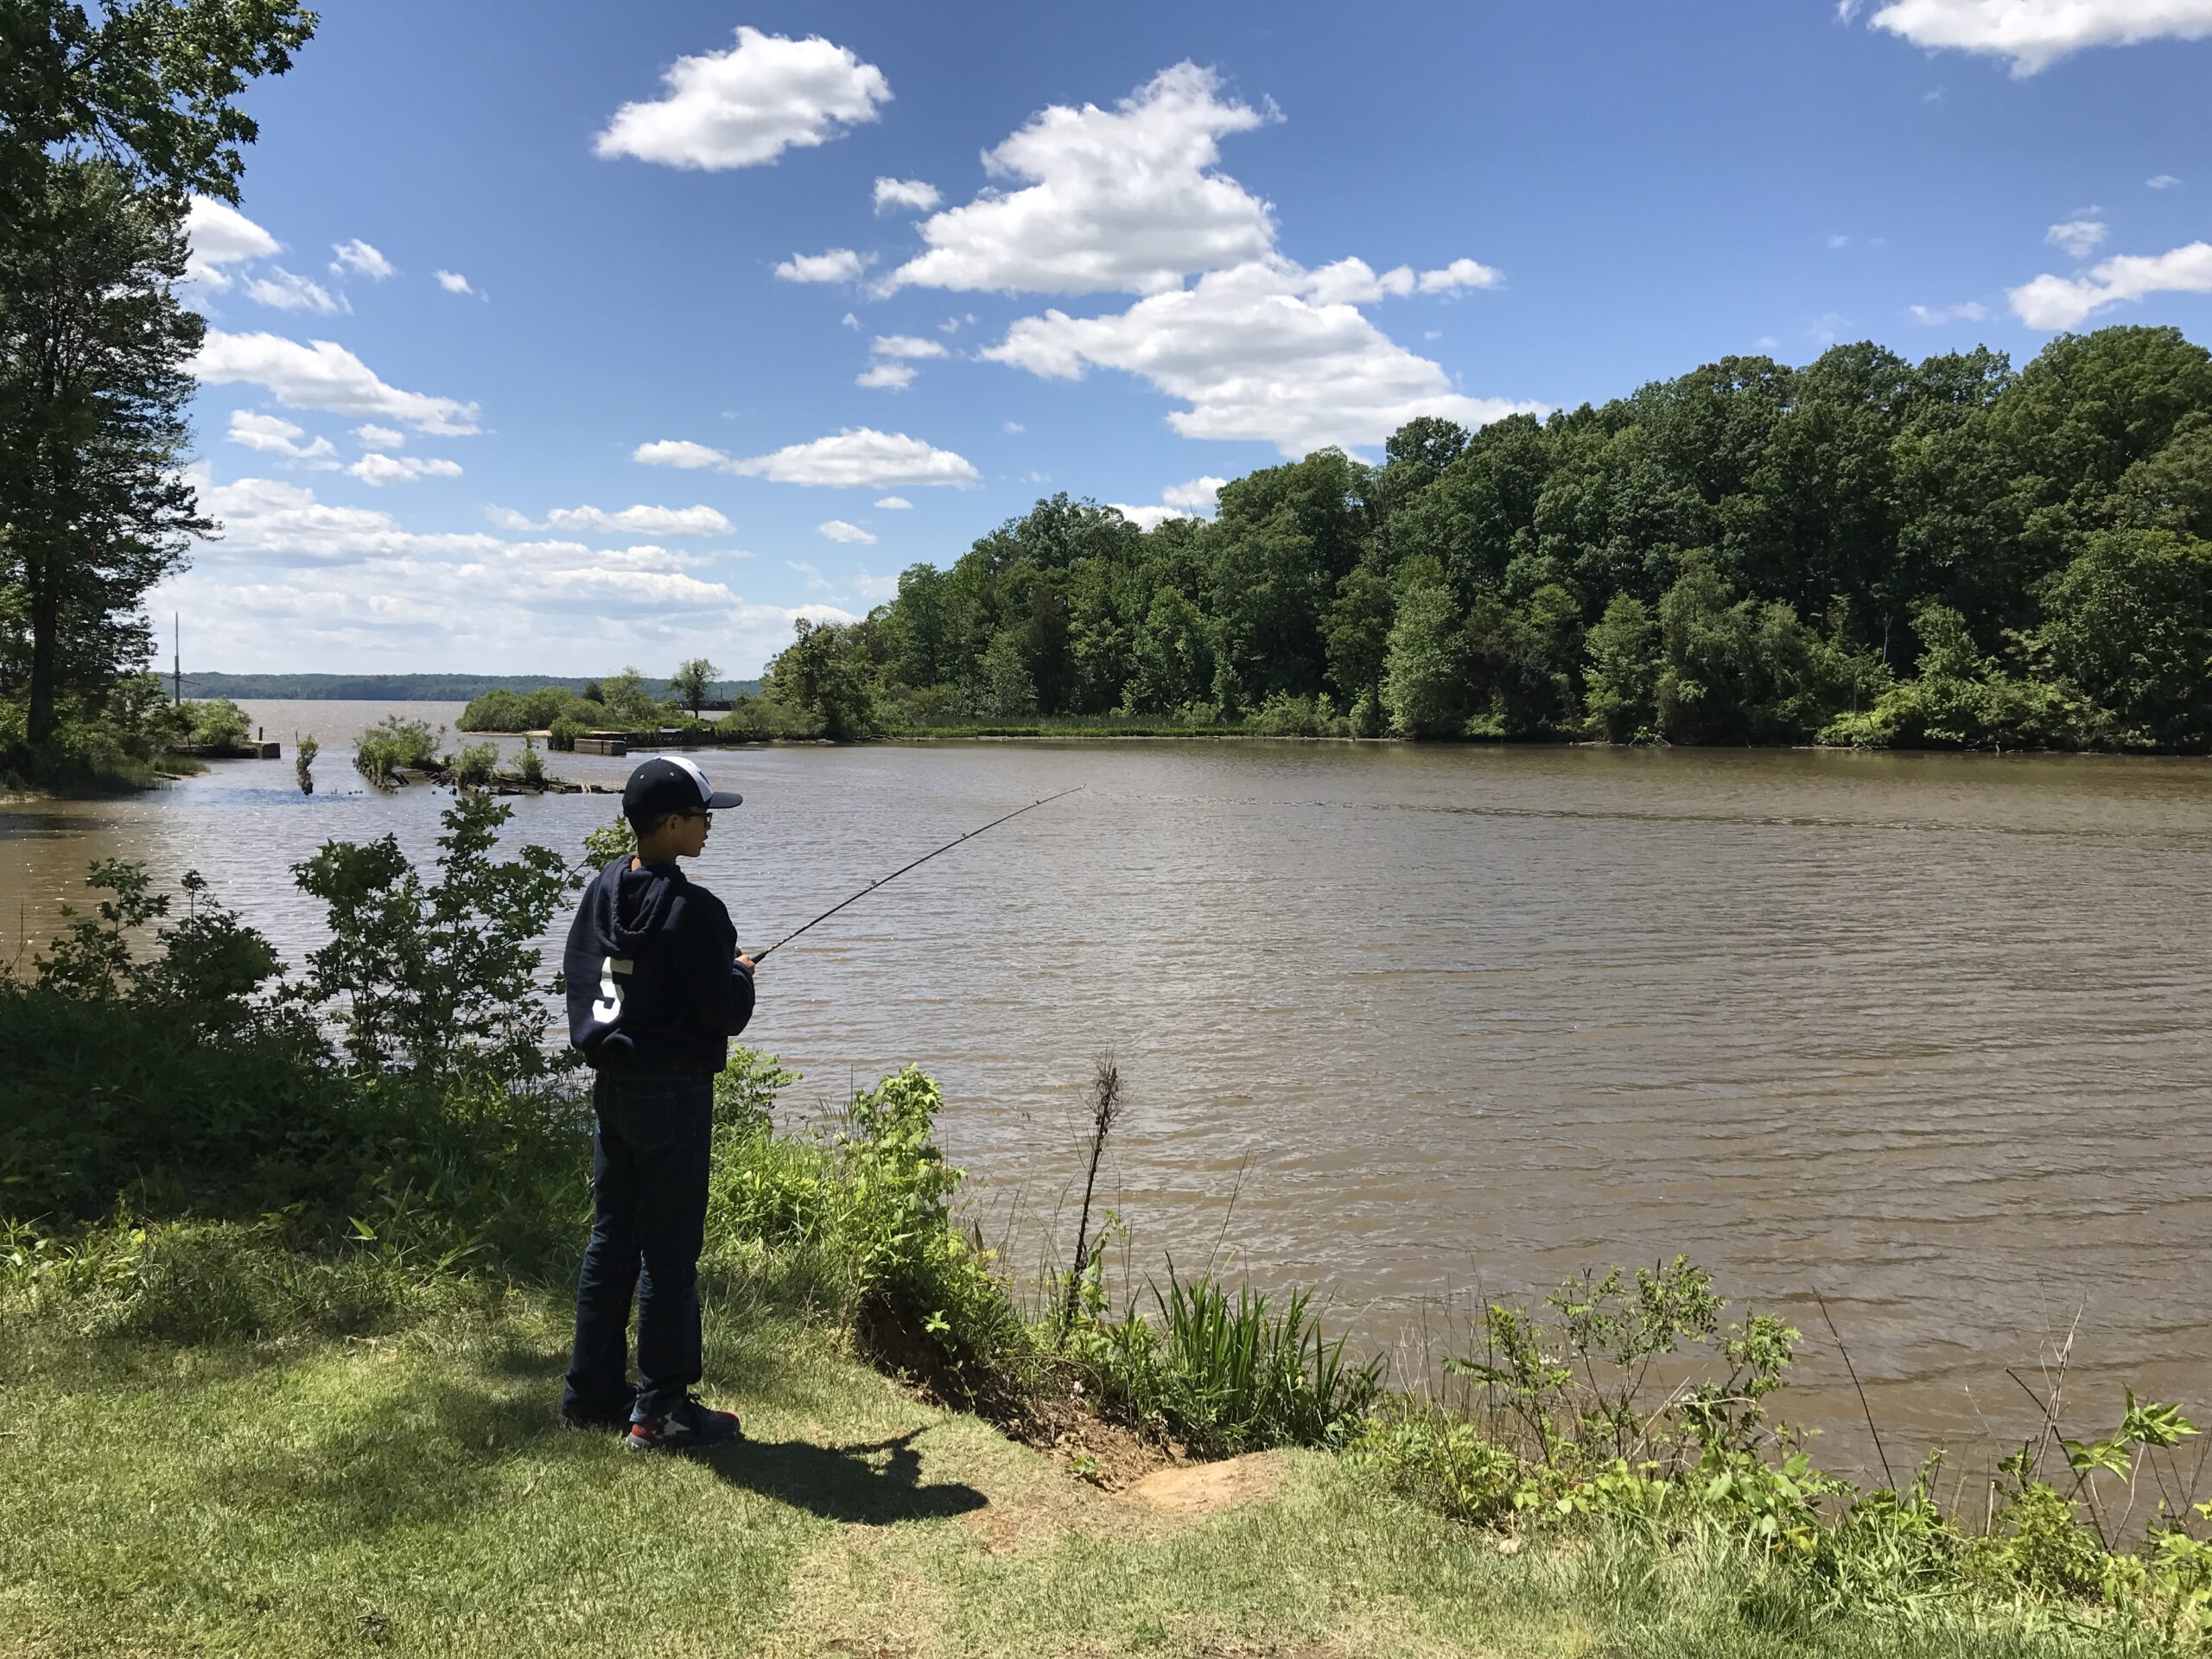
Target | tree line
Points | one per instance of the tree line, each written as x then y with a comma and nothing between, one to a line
1862,551
112,116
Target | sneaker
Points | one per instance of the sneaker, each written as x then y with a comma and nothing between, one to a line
613,1414
688,1427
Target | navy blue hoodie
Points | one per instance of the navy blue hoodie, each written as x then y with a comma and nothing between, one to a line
654,988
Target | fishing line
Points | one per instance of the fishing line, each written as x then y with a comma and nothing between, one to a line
903,868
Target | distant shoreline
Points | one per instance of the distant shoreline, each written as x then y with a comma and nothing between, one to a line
409,687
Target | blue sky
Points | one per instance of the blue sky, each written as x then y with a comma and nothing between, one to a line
562,337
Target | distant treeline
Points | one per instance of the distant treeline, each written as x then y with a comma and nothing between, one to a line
413,688
1865,550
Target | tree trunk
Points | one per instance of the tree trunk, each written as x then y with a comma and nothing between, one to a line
44,571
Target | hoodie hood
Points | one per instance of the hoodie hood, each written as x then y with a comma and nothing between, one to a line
637,902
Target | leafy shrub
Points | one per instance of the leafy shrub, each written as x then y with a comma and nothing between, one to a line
434,979
499,710
565,732
1283,716
1442,1463
757,720
530,765
861,1220
474,767
161,1081
393,743
503,709
109,738
218,723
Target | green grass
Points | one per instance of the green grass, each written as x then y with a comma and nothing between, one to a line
409,1494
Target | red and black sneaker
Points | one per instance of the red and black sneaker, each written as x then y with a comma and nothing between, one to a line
689,1427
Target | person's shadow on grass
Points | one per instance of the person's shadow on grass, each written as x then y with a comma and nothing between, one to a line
871,1485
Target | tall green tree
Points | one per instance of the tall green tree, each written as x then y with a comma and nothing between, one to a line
828,674
1424,680
93,387
109,115
2131,624
691,683
150,85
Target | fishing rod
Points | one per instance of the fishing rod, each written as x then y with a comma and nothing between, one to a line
903,868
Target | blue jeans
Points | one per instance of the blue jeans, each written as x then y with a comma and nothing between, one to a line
649,1191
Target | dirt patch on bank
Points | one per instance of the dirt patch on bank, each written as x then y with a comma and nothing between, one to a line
1186,1492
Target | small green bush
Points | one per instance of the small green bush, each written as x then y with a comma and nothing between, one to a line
1282,715
218,723
1442,1463
499,710
563,732
393,743
474,767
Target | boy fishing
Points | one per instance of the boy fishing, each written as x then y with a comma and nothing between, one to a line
657,987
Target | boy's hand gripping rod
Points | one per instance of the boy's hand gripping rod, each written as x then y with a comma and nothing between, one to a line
902,870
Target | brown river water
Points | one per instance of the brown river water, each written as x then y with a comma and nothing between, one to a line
1928,1034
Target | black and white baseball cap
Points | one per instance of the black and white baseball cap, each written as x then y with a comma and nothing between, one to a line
669,783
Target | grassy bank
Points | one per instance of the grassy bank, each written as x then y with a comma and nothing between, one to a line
408,1493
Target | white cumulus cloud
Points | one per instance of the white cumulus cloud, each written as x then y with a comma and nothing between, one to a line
1968,311
2033,34
906,193
1354,281
838,531
1198,495
855,458
748,103
453,281
275,436
860,456
220,235
679,451
1460,274
1150,517
1255,360
380,469
2055,302
832,265
886,377
358,258
2078,236
293,578
324,375
894,503
373,436
289,292
2162,181
642,520
1124,200
906,345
